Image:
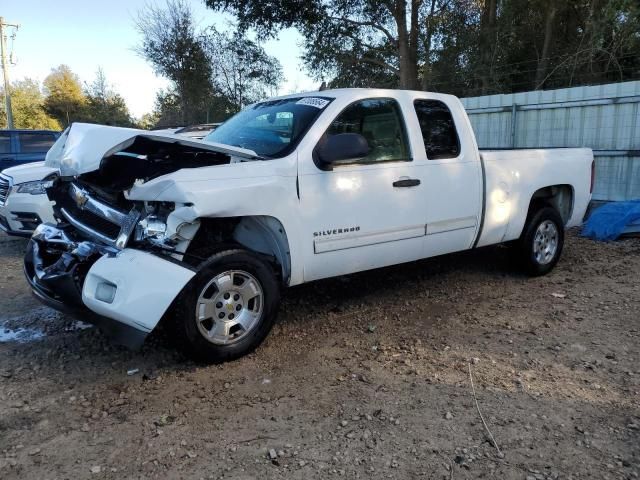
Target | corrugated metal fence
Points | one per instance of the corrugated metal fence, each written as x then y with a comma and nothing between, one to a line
605,118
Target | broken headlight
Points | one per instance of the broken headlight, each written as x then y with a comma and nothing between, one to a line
153,227
167,226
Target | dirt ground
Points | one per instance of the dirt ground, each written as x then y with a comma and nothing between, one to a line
365,376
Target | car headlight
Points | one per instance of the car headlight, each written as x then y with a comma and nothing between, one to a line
152,228
161,227
38,187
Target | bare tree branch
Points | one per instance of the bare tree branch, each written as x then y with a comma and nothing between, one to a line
371,24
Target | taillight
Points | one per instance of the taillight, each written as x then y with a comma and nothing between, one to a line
593,175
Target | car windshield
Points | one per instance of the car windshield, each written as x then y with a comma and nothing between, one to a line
271,129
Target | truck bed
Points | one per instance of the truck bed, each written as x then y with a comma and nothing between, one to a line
512,177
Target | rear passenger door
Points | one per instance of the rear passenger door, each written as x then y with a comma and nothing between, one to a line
453,177
33,146
7,150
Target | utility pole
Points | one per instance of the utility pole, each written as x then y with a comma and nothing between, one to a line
5,70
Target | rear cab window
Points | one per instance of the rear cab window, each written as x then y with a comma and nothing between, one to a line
438,129
35,142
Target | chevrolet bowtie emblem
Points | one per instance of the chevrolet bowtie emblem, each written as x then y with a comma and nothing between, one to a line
80,198
229,307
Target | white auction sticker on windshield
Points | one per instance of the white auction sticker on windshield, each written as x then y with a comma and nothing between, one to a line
313,102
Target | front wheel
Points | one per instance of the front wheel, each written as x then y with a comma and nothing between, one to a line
228,308
541,242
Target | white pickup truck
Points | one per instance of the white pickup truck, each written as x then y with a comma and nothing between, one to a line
204,234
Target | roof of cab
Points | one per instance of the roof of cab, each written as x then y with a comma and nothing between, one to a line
359,92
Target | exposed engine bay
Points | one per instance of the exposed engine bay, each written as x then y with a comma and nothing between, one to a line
91,193
147,158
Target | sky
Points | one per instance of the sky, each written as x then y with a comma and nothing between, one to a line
88,34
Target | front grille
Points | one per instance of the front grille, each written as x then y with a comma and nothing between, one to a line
5,188
92,216
94,222
89,219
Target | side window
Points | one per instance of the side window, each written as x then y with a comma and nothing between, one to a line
438,129
380,122
5,143
35,142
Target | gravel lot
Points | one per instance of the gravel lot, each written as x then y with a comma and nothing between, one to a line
365,376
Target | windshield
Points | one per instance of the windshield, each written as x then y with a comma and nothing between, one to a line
271,129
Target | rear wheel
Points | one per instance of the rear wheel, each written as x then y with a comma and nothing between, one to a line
228,308
541,242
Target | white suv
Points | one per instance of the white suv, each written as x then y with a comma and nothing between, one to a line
23,201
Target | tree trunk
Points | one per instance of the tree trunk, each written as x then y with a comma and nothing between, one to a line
487,46
427,64
543,63
183,101
590,34
414,33
407,52
427,48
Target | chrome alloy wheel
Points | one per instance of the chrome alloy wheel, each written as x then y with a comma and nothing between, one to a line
545,242
229,307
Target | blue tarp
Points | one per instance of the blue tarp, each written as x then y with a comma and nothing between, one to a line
612,220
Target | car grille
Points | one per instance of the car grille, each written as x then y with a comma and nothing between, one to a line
5,188
92,221
95,218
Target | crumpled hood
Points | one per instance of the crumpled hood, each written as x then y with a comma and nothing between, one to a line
81,148
29,172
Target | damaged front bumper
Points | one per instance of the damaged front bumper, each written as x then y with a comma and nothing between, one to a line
124,292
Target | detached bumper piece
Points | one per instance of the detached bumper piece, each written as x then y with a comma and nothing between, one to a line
56,267
124,292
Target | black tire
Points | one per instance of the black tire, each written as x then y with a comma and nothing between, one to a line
531,262
185,324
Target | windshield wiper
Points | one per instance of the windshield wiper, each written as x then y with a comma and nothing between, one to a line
256,156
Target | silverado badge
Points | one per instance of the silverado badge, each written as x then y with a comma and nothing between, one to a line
336,231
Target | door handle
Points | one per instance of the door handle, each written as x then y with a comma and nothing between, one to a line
406,182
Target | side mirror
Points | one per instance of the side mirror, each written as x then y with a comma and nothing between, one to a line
339,148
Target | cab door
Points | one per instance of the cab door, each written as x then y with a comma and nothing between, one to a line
369,212
453,176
